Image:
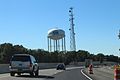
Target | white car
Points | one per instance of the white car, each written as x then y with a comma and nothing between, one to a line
23,63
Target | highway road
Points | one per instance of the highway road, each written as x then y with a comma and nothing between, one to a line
71,74
50,74
102,73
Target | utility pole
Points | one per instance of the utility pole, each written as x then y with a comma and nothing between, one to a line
72,33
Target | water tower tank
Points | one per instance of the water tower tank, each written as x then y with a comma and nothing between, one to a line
56,40
56,34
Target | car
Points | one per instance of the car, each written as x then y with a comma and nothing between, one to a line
23,63
61,67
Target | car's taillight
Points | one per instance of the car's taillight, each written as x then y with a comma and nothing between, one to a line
30,65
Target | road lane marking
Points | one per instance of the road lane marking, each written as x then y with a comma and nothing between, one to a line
85,75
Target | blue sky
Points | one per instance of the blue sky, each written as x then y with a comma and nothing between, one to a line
26,22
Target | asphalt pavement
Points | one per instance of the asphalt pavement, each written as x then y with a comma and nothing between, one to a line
101,73
70,74
73,74
49,74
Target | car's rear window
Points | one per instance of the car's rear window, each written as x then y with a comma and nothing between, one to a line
20,58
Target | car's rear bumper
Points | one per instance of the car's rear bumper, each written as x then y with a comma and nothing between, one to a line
21,70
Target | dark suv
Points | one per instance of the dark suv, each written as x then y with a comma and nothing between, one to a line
23,63
61,67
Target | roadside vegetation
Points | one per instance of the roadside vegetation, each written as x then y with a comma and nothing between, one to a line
42,56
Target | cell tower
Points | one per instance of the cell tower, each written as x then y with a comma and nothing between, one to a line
72,33
119,34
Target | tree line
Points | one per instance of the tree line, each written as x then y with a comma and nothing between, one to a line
42,56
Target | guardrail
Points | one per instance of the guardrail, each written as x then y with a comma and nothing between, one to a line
4,68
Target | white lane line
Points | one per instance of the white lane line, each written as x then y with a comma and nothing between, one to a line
85,75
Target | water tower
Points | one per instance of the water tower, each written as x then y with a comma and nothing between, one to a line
56,40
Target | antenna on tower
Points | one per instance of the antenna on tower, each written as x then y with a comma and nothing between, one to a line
72,33
119,34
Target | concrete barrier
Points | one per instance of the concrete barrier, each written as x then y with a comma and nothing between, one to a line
4,68
95,63
47,65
